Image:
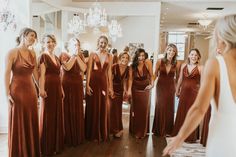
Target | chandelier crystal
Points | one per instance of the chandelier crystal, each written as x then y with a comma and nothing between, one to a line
76,25
97,16
115,30
7,17
204,23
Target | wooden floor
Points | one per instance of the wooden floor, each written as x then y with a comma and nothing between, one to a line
127,146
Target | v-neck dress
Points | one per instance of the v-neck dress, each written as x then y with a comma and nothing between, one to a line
189,90
51,118
140,105
23,131
72,83
97,106
116,102
165,101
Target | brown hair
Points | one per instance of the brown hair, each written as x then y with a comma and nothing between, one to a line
174,59
122,54
198,53
102,37
51,36
23,33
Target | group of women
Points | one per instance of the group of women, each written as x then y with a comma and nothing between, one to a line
58,81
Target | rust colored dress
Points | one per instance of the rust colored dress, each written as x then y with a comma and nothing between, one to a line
165,101
140,105
23,137
51,118
205,127
97,106
116,103
189,89
73,103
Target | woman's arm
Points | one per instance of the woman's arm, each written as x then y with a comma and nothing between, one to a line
130,81
42,91
88,75
67,64
199,108
81,63
179,81
148,63
157,69
35,71
9,62
111,92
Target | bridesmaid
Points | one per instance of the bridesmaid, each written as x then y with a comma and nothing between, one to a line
186,90
51,118
23,137
166,71
140,83
98,88
72,81
120,74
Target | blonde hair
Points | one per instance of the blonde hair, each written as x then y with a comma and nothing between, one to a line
51,36
225,30
102,37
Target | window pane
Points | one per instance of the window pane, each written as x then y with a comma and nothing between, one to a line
180,47
172,38
181,38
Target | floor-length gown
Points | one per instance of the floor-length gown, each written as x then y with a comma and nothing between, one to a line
73,103
140,105
51,118
23,137
97,105
116,102
165,100
205,127
189,89
222,127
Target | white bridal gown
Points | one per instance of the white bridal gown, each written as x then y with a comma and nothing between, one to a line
222,128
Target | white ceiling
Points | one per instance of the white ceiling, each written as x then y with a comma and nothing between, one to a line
175,14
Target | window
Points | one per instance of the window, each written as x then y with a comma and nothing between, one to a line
178,38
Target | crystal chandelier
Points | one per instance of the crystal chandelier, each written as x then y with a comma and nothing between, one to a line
76,25
114,30
7,17
204,23
97,16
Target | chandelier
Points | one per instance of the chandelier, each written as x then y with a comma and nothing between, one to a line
7,18
76,25
204,23
97,16
114,30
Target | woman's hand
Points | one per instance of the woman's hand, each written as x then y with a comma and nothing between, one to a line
111,92
175,143
149,87
177,93
43,93
129,93
89,90
10,99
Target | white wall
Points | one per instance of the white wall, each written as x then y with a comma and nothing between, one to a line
202,44
7,40
137,29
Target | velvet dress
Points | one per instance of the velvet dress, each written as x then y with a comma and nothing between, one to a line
116,102
189,90
51,118
23,137
97,104
165,101
72,83
140,105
